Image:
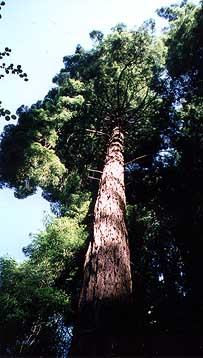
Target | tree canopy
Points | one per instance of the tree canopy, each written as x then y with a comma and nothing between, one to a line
60,138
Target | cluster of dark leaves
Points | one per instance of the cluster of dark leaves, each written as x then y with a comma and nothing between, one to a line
1,4
9,69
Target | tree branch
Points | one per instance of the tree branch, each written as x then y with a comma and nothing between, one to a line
96,132
94,170
119,80
138,158
89,177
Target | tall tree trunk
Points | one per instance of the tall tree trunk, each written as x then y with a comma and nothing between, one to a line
107,285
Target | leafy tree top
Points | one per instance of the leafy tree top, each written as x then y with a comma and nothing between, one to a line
59,139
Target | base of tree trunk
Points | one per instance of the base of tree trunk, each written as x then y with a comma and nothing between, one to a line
111,335
139,345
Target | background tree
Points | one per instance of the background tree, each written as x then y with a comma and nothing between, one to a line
184,42
169,199
38,297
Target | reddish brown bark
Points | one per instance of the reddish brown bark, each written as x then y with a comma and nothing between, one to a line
107,272
107,284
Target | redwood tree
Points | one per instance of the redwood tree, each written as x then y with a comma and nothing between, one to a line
107,274
78,128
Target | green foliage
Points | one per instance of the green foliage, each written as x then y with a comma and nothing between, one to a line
184,43
55,142
29,301
35,298
63,238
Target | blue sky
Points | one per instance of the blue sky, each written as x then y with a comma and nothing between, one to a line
40,33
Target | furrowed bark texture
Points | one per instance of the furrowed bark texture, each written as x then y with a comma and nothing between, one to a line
107,264
107,283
